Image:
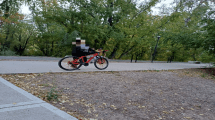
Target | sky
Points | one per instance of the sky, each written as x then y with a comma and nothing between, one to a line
155,9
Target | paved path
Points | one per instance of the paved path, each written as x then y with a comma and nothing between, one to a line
29,58
8,67
17,104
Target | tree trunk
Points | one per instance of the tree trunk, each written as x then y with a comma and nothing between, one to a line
110,19
6,38
125,52
136,59
151,53
95,45
52,48
172,57
114,51
46,48
131,58
194,58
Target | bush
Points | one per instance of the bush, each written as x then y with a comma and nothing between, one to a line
205,57
8,53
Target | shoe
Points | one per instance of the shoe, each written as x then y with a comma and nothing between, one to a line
86,64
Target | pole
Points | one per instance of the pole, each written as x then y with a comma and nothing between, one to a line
153,55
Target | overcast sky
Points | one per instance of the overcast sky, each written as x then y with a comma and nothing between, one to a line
155,9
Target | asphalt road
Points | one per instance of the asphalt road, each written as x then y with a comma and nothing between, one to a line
30,58
42,58
50,64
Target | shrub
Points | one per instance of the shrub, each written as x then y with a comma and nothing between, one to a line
8,53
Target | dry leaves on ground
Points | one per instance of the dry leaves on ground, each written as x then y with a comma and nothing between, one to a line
133,95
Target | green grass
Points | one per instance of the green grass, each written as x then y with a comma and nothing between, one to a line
52,94
203,75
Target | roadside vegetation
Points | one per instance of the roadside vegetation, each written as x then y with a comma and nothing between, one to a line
127,28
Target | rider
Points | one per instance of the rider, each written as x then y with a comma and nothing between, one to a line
81,49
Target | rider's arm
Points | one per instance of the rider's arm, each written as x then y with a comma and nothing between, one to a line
91,51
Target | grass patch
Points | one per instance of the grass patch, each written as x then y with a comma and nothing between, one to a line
203,75
187,72
52,95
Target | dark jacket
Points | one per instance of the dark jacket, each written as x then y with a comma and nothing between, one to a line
78,52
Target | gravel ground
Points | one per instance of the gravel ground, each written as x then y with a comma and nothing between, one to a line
134,95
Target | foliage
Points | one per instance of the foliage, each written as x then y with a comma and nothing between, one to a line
52,94
126,28
8,53
209,29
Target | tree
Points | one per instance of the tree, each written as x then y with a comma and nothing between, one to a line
185,29
9,17
209,30
95,20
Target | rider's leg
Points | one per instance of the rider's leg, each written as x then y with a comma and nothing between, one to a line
85,59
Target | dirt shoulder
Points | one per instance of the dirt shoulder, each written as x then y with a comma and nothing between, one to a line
133,95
